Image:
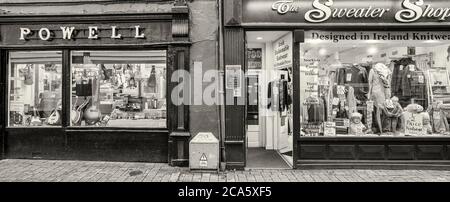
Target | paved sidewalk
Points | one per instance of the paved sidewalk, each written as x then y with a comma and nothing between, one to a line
83,171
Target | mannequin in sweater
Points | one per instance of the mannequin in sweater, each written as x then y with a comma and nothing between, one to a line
379,89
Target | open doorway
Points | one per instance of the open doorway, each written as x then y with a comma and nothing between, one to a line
269,104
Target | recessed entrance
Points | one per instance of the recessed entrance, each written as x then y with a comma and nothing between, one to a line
269,126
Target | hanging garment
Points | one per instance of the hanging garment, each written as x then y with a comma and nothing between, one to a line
316,110
357,77
151,84
414,86
439,121
273,96
399,67
343,101
285,98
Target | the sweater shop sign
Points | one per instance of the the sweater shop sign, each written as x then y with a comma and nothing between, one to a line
345,11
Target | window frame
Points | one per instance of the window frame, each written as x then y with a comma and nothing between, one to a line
66,87
8,92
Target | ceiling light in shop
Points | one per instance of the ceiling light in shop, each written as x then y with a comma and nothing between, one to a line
314,41
431,41
372,41
323,51
259,38
372,50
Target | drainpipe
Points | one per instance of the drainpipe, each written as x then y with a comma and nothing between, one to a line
221,106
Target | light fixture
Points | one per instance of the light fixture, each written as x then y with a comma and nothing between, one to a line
372,41
372,50
431,41
323,51
314,41
259,38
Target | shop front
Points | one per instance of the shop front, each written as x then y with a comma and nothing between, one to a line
339,83
94,86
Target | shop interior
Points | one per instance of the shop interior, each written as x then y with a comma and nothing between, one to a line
373,88
109,89
269,107
35,89
119,89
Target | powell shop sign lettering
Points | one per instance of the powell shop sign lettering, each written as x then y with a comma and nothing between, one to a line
46,34
346,11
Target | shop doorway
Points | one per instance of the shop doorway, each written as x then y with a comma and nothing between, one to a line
269,99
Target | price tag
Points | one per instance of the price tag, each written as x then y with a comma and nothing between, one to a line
346,122
401,67
370,106
349,77
340,90
335,101
421,79
412,68
330,129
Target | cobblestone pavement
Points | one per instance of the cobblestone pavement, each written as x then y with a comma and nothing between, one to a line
84,171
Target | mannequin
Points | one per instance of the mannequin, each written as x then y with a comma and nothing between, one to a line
356,126
438,118
379,89
392,112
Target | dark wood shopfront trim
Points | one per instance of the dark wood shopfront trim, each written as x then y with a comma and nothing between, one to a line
310,152
164,145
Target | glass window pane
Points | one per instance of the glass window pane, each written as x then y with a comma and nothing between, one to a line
119,89
35,88
375,83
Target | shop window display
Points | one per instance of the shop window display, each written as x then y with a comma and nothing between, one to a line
34,85
355,84
119,89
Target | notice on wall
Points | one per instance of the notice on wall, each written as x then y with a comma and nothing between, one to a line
233,76
254,58
283,52
413,124
16,106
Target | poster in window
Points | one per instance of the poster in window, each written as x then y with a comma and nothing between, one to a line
233,78
254,58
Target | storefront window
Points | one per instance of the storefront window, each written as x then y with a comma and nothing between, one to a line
375,84
119,89
35,89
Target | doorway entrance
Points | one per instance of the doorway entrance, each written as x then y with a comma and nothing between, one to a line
269,126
